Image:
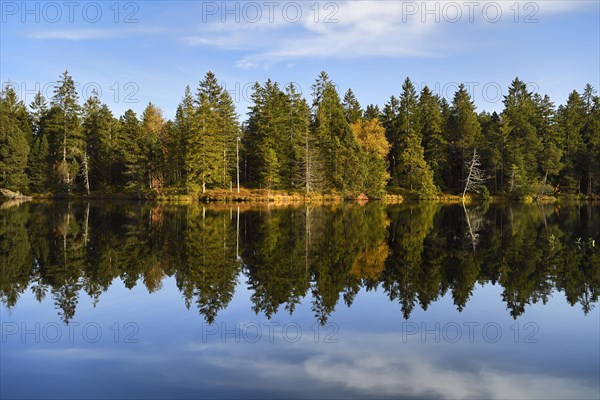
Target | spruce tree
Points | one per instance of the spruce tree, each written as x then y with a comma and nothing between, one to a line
339,148
524,147
412,171
181,132
464,134
132,151
37,165
64,132
434,142
352,109
14,143
98,131
205,153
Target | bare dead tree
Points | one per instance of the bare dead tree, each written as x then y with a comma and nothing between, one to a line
85,173
476,178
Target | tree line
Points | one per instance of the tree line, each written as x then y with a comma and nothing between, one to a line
418,143
318,256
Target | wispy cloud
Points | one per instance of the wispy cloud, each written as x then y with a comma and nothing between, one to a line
361,29
92,34
74,34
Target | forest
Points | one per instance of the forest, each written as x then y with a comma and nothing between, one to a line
417,144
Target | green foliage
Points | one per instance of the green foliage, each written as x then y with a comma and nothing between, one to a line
464,134
213,134
435,145
322,256
14,142
530,149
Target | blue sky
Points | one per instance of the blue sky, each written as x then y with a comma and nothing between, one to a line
136,52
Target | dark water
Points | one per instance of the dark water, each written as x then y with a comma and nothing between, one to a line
414,301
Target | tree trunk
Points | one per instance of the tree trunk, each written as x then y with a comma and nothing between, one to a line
86,176
540,192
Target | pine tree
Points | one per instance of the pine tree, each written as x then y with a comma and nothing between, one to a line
412,171
434,143
338,146
98,130
269,174
39,110
550,158
372,112
64,132
391,123
464,134
352,109
14,143
591,138
133,151
180,134
229,132
524,147
205,154
303,155
37,165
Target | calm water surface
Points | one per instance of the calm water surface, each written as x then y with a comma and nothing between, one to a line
414,301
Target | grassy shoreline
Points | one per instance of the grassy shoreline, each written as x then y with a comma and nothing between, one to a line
283,196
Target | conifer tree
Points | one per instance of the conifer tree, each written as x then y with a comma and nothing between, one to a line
14,141
352,109
180,135
64,131
412,171
524,147
464,134
205,151
337,143
434,142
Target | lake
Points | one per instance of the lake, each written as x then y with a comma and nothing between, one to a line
120,299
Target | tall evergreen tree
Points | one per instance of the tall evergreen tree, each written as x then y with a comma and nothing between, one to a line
64,133
571,122
98,131
352,109
464,135
180,135
205,154
339,148
591,140
412,171
229,132
302,150
133,151
524,147
14,141
434,143
38,164
372,112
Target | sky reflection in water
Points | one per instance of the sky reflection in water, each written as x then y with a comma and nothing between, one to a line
362,275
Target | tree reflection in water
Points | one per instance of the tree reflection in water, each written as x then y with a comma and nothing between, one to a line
321,254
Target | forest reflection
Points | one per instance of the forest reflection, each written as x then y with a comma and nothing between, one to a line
324,255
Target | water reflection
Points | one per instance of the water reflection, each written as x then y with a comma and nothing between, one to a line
416,253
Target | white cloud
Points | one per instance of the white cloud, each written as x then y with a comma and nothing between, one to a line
366,29
74,34
91,34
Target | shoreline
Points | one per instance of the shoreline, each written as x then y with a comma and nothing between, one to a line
287,197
